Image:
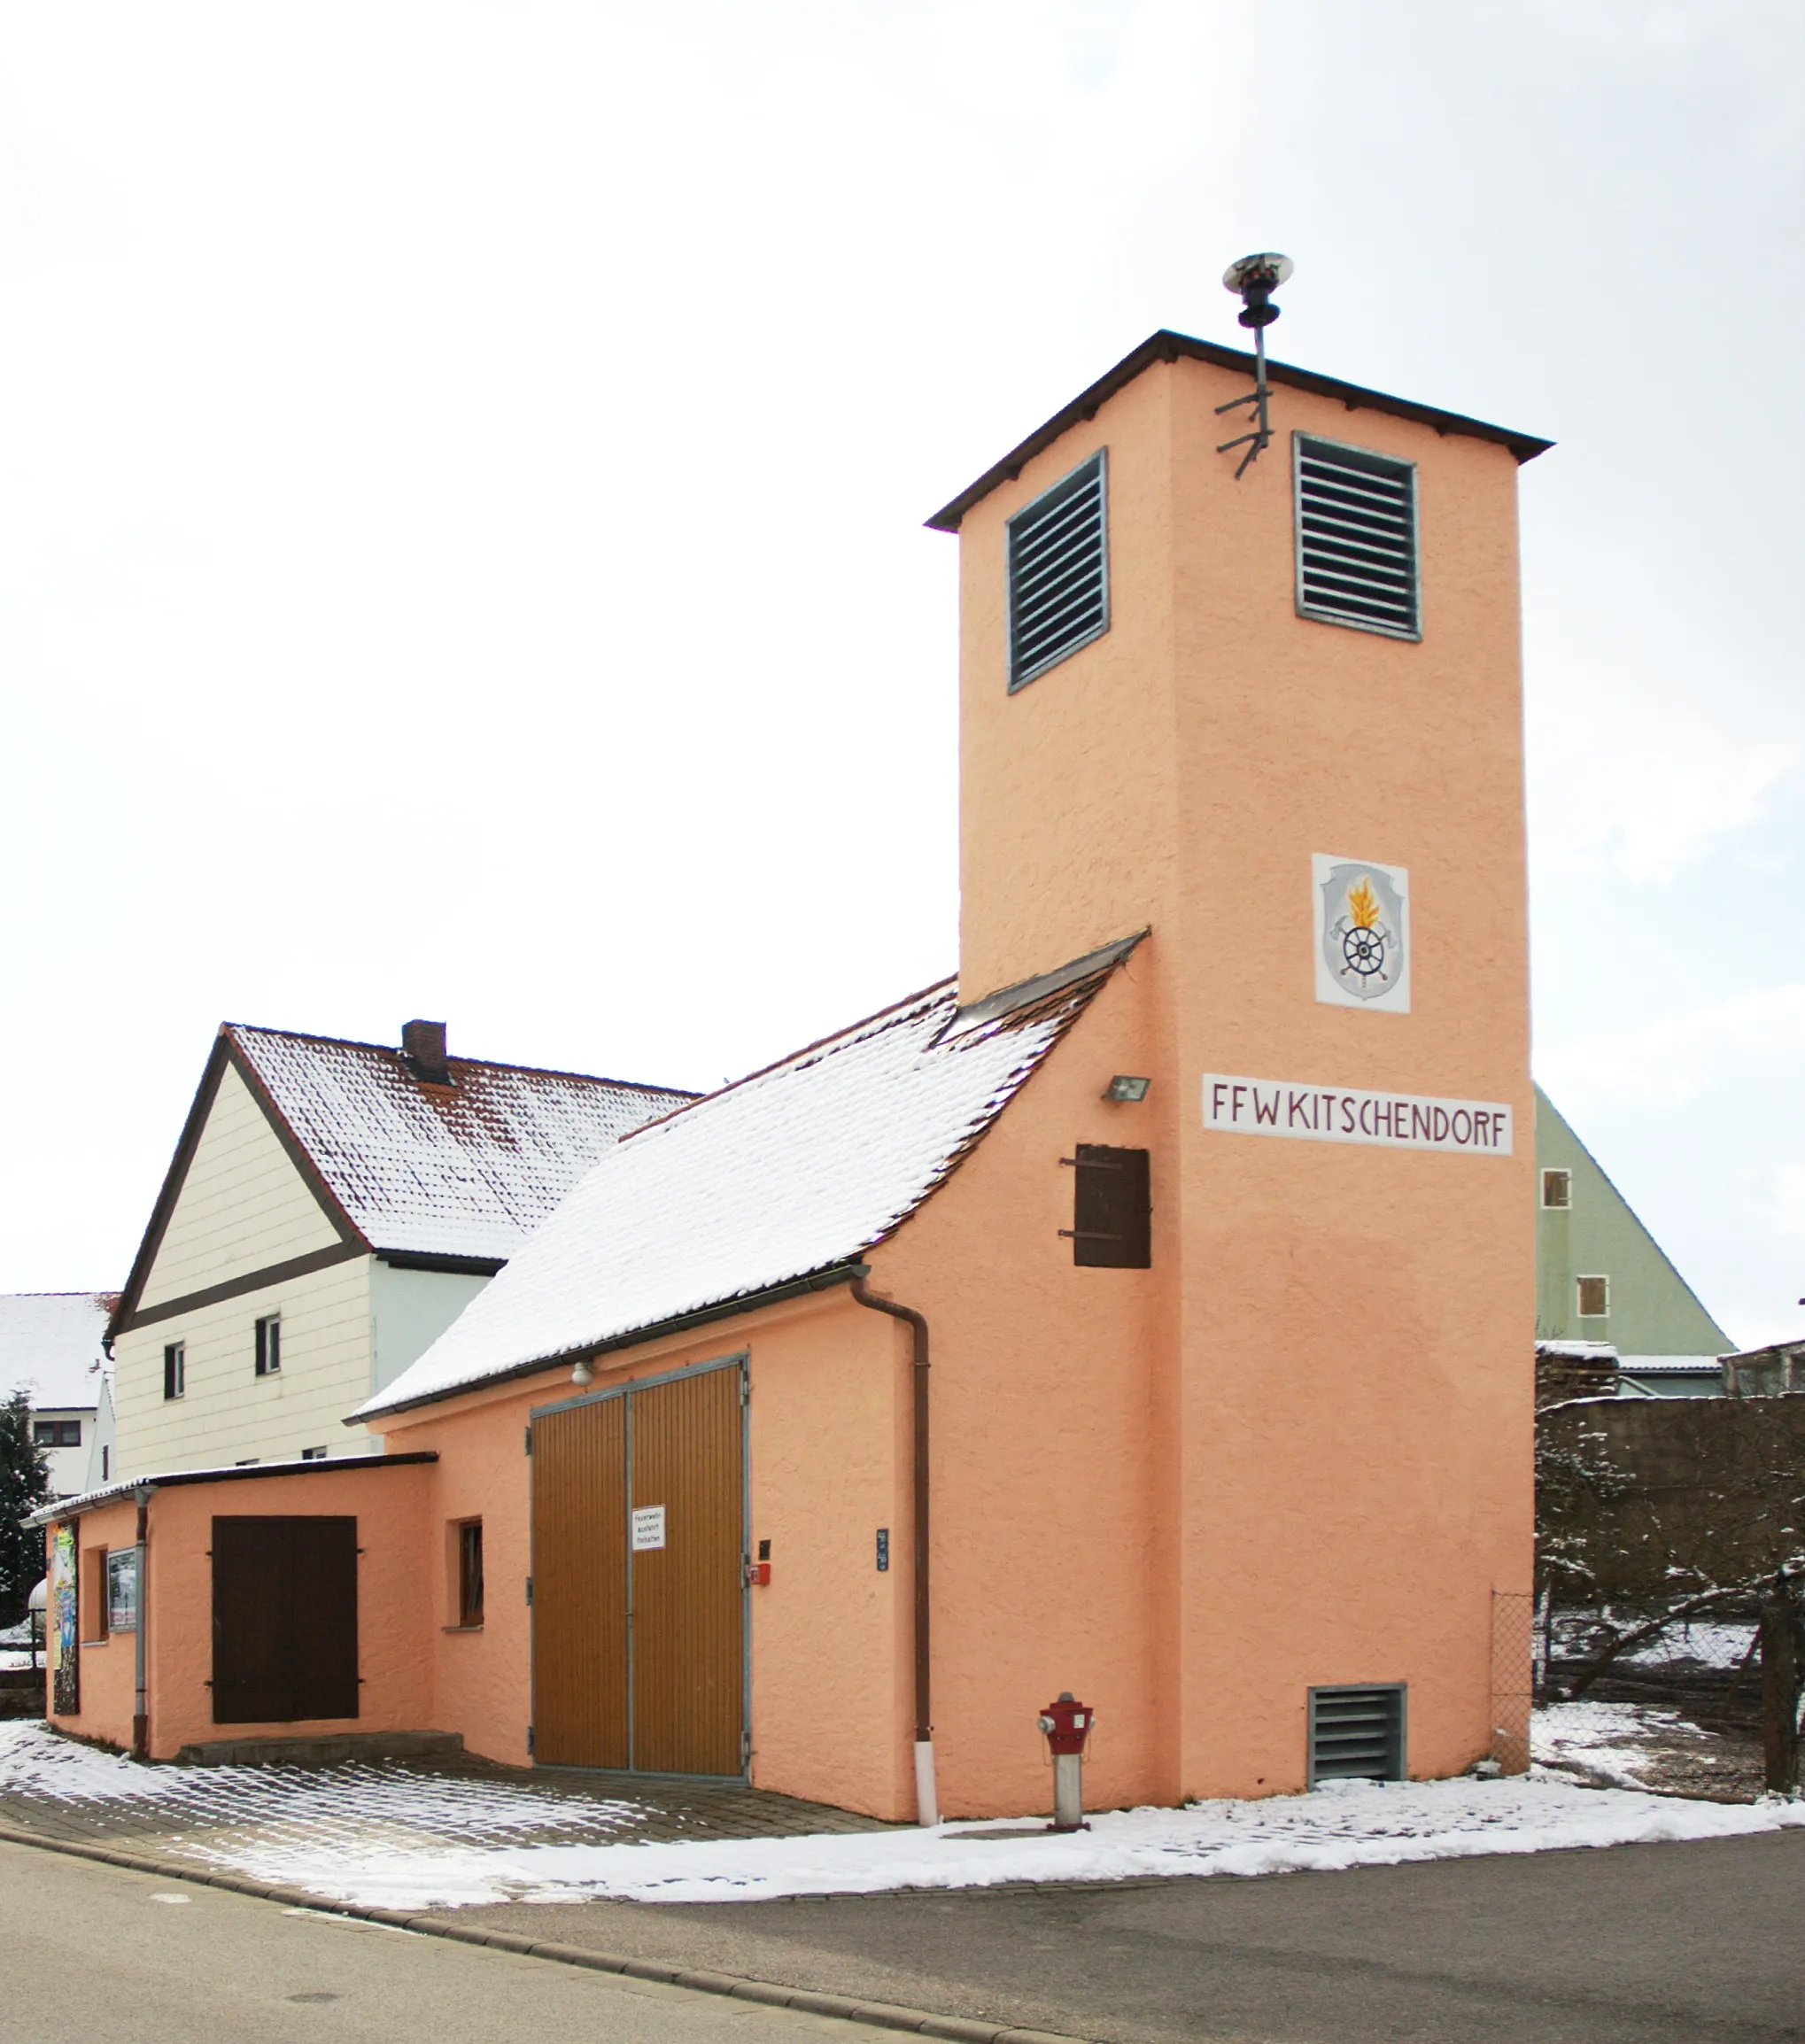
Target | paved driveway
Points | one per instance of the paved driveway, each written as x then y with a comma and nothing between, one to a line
1669,1944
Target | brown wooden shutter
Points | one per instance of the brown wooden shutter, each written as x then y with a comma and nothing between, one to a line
284,1619
323,1627
1112,1208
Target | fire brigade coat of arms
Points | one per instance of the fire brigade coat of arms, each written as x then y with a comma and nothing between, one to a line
1362,934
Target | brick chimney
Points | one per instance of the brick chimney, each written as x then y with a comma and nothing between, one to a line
422,1045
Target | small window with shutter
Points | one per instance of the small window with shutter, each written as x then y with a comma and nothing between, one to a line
471,1573
1059,572
1557,1189
1594,1298
1111,1208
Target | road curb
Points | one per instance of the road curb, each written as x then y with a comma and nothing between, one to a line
879,2015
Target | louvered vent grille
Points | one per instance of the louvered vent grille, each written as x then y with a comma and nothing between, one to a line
1357,538
1058,573
1357,1734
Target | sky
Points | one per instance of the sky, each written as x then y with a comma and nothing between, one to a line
463,470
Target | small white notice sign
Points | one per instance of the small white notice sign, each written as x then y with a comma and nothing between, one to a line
1348,1114
648,1528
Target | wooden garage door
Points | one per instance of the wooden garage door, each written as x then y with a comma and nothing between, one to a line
638,1577
284,1619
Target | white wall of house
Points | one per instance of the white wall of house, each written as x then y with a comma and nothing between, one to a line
243,1205
410,1310
227,1412
104,1444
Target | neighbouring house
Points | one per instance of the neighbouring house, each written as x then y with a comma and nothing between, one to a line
1602,1280
51,1345
330,1210
1139,1313
1776,1371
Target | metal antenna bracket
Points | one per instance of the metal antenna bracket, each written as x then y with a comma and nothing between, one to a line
1254,280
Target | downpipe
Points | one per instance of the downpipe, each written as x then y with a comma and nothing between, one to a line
141,1710
926,1792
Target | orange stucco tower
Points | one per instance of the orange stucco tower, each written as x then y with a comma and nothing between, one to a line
1275,719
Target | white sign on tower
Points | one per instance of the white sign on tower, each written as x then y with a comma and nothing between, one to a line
1362,930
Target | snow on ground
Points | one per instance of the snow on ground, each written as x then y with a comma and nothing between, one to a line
1712,1641
333,1808
1353,1825
376,1836
1614,1742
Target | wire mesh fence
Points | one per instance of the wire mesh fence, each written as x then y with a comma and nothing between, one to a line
1649,1699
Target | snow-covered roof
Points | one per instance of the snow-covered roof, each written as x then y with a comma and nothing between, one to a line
50,1342
787,1174
1580,1351
468,1169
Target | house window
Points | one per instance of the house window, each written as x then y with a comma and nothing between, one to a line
56,1433
470,1572
269,1345
175,1369
1594,1297
312,1454
1356,538
1557,1189
1111,1210
106,1464
1059,572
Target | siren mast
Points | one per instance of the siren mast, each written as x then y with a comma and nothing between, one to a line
1253,279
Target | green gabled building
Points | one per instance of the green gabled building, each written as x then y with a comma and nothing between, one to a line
1600,1276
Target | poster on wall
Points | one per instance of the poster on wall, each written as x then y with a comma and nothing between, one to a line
122,1590
62,1627
1362,930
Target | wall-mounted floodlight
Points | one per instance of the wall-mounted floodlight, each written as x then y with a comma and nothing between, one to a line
1124,1087
1254,278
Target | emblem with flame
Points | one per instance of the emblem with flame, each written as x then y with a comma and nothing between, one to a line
1363,930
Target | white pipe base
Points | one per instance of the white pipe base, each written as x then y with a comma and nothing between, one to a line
926,1800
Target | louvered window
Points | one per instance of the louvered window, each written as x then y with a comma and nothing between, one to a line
1357,538
1059,572
1357,1734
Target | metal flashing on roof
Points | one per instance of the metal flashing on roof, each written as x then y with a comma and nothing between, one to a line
239,1473
1671,1366
1026,993
1165,346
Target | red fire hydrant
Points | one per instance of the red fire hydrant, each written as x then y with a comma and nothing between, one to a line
1066,1724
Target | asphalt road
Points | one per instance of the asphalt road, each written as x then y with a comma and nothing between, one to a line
1676,1944
92,1952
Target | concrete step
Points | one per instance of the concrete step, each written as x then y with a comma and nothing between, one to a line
332,1749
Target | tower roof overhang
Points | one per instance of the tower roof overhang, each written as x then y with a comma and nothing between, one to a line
1169,347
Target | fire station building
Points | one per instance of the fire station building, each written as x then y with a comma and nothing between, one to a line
1143,1313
